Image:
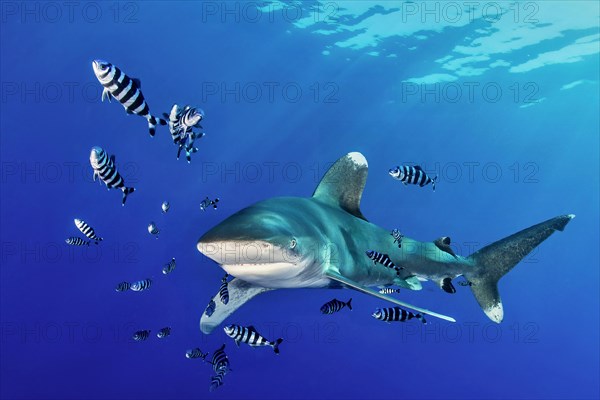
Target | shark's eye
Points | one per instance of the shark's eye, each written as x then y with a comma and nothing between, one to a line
293,243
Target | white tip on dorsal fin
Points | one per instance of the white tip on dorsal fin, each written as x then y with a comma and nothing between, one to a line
343,184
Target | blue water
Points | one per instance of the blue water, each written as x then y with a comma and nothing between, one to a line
390,81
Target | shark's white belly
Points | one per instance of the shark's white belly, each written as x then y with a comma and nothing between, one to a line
279,275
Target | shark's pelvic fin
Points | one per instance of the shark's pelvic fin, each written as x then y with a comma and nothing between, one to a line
495,260
357,286
343,184
239,293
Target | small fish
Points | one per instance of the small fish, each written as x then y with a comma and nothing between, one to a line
153,230
126,90
196,353
396,314
250,336
164,332
141,285
169,267
123,286
76,241
220,361
413,175
208,202
105,168
443,244
181,121
466,283
223,290
334,306
388,290
165,207
140,336
216,381
210,308
397,237
87,230
382,259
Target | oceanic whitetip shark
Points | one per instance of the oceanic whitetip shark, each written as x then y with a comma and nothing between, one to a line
320,242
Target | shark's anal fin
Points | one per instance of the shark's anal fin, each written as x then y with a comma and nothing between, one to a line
239,293
357,286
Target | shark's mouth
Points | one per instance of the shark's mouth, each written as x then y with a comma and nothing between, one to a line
262,274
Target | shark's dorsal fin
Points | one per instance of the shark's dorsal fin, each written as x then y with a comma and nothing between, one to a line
357,286
343,184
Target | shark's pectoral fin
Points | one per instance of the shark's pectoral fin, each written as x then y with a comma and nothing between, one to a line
239,293
357,286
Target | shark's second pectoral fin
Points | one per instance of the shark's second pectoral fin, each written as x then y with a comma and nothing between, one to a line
357,286
239,293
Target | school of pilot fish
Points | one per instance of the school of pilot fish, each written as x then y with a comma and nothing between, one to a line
185,129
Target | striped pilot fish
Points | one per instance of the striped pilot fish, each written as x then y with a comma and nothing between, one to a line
164,332
250,336
220,361
165,207
413,175
196,353
382,259
223,290
398,236
87,230
388,290
396,314
105,168
210,308
126,90
141,285
153,230
76,241
334,306
216,381
123,286
183,120
140,336
169,267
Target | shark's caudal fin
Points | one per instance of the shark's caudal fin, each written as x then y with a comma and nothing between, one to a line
357,286
495,260
343,184
239,293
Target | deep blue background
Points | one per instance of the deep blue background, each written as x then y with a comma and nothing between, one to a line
65,332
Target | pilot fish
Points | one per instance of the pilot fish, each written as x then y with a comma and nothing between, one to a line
140,336
75,241
250,336
413,175
126,90
87,230
170,266
396,314
105,168
334,306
